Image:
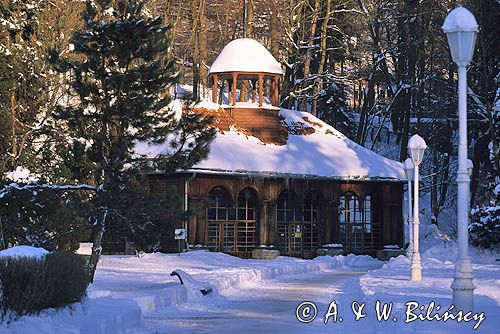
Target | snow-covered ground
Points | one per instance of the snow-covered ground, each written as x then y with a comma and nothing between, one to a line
138,295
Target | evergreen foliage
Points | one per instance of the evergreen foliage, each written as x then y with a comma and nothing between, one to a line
23,72
485,226
121,80
333,108
47,218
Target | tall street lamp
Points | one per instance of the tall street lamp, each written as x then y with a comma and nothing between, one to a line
408,167
417,146
461,30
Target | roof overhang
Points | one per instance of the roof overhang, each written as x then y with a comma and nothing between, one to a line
276,175
242,75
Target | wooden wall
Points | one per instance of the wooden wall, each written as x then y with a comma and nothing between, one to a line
386,196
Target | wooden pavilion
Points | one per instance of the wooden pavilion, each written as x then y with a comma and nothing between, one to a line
280,179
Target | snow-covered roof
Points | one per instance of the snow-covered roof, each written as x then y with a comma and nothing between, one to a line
460,19
245,55
313,149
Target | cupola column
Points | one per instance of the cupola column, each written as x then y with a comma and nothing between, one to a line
254,90
261,83
235,79
214,88
275,101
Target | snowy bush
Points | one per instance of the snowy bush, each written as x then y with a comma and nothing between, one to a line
30,285
44,218
485,227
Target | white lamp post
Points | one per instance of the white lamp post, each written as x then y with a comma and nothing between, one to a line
461,30
408,167
417,146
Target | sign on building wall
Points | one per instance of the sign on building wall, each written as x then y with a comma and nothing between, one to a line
180,234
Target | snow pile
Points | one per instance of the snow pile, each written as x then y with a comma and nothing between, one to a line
22,175
348,261
24,251
104,315
332,246
225,273
391,284
85,248
147,280
206,105
245,55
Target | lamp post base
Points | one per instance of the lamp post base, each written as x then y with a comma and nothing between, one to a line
463,286
416,267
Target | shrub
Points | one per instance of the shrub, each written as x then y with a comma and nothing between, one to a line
31,285
485,223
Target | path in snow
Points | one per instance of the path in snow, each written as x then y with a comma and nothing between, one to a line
270,307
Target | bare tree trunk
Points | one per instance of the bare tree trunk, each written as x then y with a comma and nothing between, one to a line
13,129
319,83
434,188
13,149
250,18
202,43
409,51
294,32
310,46
444,188
274,29
196,48
367,94
100,227
368,102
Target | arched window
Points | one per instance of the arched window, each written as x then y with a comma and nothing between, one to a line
220,207
367,213
312,221
232,228
298,223
372,230
246,229
312,204
357,232
288,208
247,204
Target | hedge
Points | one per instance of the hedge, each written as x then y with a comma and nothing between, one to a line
30,285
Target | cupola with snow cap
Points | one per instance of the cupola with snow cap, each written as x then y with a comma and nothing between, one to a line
245,59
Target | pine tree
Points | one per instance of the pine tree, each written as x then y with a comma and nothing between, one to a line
23,91
120,79
5,130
